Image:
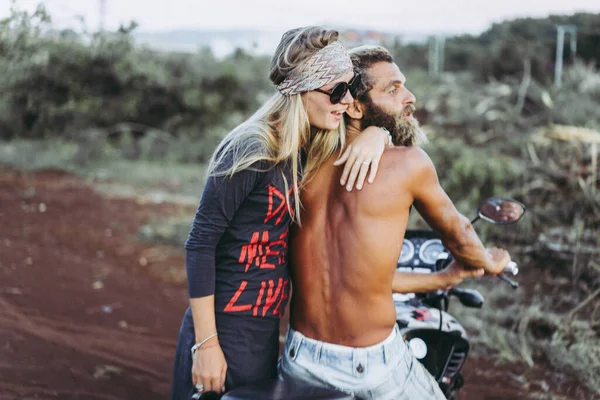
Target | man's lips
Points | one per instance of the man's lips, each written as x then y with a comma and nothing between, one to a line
408,113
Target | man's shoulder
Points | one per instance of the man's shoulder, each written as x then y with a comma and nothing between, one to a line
407,150
401,158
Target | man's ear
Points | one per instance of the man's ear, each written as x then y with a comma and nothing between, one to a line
355,110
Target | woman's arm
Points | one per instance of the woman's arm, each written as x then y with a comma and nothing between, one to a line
221,199
209,366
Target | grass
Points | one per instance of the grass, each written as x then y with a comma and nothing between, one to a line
104,163
171,231
525,325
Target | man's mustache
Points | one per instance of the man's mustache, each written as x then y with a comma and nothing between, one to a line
409,110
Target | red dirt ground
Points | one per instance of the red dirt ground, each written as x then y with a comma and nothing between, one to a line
87,311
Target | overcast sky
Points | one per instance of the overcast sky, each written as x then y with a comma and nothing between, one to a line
451,16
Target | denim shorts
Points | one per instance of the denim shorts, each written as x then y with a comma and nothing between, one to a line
387,370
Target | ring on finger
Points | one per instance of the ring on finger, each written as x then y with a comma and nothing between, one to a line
366,162
357,163
200,387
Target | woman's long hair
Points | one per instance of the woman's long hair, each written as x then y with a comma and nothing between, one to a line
280,129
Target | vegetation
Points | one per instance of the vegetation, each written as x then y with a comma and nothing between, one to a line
96,87
500,51
97,104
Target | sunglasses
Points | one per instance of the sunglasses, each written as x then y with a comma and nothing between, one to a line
339,91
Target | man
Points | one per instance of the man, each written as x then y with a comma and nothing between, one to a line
343,258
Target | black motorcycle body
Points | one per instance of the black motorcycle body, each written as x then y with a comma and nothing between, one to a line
436,338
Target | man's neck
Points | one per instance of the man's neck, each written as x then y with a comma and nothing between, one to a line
353,129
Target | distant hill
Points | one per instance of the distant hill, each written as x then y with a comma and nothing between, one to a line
223,42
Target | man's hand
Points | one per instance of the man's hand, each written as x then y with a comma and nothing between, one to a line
209,368
455,273
500,258
363,153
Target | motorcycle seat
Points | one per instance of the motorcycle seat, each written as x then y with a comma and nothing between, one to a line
284,390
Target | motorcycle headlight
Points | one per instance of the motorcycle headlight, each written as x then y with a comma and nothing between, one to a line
418,347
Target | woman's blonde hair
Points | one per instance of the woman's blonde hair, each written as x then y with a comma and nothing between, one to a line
280,129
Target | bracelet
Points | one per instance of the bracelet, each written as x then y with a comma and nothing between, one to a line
199,344
390,141
208,347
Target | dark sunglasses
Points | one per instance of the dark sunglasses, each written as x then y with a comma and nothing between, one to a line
339,91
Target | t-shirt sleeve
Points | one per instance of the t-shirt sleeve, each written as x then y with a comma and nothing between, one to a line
222,197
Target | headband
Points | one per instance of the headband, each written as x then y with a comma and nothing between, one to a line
325,66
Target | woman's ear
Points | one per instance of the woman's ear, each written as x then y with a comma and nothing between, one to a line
355,110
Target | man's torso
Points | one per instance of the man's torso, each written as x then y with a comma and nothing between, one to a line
344,256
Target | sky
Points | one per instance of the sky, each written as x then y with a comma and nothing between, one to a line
419,16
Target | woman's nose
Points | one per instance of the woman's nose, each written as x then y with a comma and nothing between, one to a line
347,99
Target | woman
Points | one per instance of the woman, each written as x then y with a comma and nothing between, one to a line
236,255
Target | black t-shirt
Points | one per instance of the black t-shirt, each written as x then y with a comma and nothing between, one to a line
238,246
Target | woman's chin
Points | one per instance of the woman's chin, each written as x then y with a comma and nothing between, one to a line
329,126
333,125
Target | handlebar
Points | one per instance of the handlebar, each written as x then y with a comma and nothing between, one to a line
513,269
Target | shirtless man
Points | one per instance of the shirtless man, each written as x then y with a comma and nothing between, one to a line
343,258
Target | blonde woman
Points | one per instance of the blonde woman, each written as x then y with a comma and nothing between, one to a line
236,255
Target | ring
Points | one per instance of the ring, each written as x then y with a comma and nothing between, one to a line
200,387
357,163
366,162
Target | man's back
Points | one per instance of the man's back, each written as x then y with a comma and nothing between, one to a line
343,258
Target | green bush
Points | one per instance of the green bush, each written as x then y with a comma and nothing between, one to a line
59,85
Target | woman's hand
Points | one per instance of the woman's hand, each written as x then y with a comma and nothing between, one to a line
363,153
209,368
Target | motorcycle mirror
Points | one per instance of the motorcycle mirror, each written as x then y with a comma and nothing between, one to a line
500,211
468,297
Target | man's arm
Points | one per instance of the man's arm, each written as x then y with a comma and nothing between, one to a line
455,230
413,282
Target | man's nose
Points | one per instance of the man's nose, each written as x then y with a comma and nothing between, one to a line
409,98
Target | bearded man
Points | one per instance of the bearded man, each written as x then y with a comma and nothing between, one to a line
343,257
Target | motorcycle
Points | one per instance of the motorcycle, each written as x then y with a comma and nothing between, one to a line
434,336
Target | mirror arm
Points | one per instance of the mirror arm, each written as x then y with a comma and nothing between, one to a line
475,219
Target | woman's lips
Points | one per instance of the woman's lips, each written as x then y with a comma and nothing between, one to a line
337,114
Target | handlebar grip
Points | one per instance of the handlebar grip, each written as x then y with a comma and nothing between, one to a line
512,268
444,259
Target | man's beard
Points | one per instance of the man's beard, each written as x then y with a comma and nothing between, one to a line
404,131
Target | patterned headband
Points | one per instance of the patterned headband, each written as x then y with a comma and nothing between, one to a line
325,66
